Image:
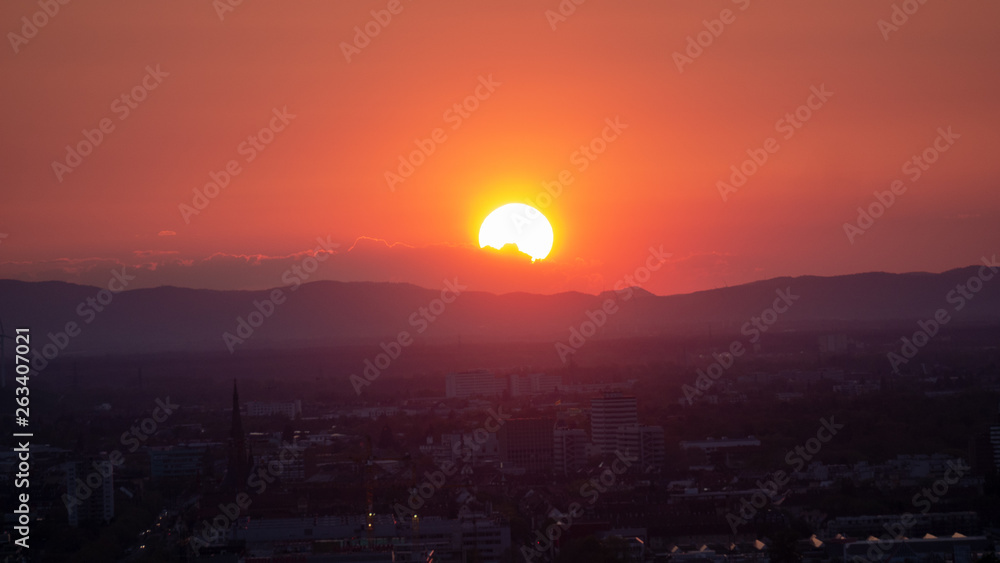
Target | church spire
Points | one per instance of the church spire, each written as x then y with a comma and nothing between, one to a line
236,428
238,467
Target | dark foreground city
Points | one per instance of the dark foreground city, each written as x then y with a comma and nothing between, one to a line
808,447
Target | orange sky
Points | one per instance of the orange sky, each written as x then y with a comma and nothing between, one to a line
655,185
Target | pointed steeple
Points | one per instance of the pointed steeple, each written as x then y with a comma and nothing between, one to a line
238,467
236,428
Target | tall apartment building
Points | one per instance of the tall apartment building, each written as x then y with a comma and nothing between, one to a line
474,383
607,415
90,486
527,443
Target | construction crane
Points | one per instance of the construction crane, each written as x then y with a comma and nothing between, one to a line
368,470
466,473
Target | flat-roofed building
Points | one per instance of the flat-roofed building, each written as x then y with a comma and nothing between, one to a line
533,384
527,443
290,409
171,462
645,443
607,415
474,383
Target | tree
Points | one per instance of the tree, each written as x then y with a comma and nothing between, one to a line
783,547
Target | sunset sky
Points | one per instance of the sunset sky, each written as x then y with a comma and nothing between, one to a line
543,93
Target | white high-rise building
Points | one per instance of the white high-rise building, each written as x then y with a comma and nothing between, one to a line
607,415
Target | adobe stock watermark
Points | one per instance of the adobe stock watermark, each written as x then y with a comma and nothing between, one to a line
455,116
364,34
420,319
696,44
913,168
923,501
589,491
582,158
788,126
466,450
774,486
563,11
30,26
133,438
752,329
223,7
294,276
899,16
88,310
958,298
598,317
122,107
257,482
249,149
436,480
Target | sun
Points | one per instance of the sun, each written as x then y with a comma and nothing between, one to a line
520,224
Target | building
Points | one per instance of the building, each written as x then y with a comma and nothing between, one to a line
855,388
956,549
481,537
289,409
171,462
644,442
995,441
474,383
90,490
470,537
367,412
725,452
526,443
533,384
569,452
941,523
468,447
608,414
463,448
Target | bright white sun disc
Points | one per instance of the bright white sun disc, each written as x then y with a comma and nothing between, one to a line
520,224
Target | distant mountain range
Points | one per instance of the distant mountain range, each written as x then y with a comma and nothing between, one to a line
336,313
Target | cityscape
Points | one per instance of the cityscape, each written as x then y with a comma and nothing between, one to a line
816,459
527,281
